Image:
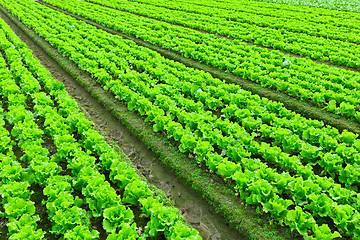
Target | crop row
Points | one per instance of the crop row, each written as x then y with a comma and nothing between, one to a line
234,21
307,12
14,190
339,5
227,100
196,128
332,46
326,87
317,17
68,218
255,114
322,43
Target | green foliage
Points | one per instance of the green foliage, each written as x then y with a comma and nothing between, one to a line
115,217
181,231
17,207
256,143
81,232
135,191
299,220
28,233
323,232
162,219
126,232
277,207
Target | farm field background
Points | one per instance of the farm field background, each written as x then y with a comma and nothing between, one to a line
351,6
246,116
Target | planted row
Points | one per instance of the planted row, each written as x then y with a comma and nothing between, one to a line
14,190
190,142
66,218
326,87
318,16
288,8
311,140
88,179
351,6
205,18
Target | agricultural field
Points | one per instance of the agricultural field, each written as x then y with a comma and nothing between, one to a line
154,119
344,5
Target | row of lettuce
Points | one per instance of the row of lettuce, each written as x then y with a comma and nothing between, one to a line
37,108
286,9
332,89
318,16
243,18
15,193
324,42
340,5
271,155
